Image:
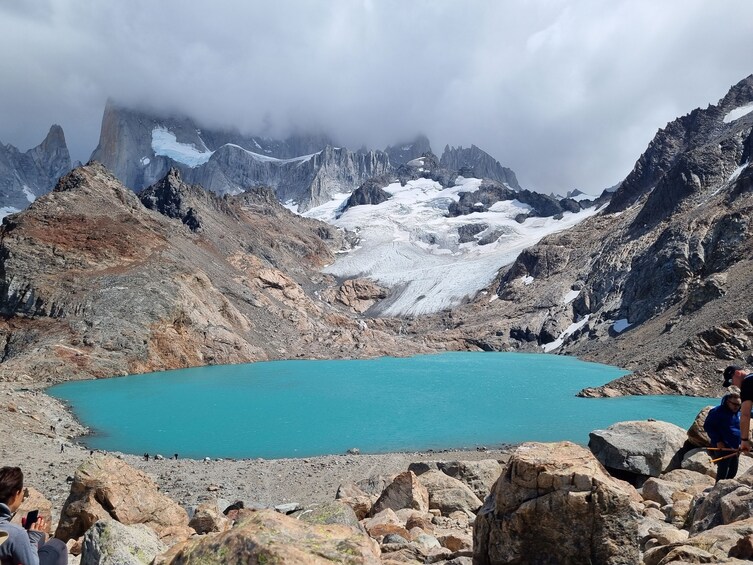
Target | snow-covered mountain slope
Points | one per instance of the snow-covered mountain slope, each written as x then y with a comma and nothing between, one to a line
432,261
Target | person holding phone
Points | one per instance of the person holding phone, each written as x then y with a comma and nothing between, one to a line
25,546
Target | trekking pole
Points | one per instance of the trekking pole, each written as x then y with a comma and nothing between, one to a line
721,449
724,457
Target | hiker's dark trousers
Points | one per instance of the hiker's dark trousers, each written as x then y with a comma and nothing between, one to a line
727,468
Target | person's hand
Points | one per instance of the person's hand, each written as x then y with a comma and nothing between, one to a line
745,446
41,525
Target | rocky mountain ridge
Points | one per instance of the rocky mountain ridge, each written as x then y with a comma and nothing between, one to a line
25,176
473,162
305,171
658,282
95,284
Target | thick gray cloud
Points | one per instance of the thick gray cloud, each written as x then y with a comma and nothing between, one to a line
567,93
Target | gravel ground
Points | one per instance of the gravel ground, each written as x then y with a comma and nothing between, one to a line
34,426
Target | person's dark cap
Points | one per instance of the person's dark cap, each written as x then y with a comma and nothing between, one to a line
729,372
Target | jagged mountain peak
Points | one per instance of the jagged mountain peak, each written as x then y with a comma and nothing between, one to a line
173,198
475,162
663,170
401,153
658,283
26,176
740,94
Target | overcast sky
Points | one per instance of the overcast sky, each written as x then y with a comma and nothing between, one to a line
566,93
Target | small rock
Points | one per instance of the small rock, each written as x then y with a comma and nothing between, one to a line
288,508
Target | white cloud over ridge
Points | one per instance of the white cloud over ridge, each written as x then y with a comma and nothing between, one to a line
566,93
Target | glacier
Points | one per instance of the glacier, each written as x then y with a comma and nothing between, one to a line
410,244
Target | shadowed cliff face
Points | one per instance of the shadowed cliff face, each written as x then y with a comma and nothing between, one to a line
94,284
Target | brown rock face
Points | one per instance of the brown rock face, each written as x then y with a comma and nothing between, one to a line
404,492
93,284
696,434
106,488
556,503
208,518
35,501
358,294
269,537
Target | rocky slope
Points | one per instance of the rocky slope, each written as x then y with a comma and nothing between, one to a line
95,284
25,176
659,281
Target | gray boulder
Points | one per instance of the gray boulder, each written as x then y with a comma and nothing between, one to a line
447,494
663,489
109,542
719,505
479,476
334,512
647,448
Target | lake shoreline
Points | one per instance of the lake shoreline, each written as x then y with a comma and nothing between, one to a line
39,434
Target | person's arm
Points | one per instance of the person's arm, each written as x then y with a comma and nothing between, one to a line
745,425
23,549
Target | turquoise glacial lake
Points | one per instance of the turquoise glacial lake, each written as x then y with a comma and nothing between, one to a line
305,408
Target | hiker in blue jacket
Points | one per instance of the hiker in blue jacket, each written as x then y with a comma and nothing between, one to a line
723,426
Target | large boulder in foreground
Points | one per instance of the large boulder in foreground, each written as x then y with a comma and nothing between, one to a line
266,536
644,448
111,543
556,501
106,488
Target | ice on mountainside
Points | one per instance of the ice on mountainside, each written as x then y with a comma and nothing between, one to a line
738,113
570,296
7,211
30,196
165,143
569,330
410,242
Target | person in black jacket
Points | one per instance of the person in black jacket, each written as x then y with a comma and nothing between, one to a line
723,426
